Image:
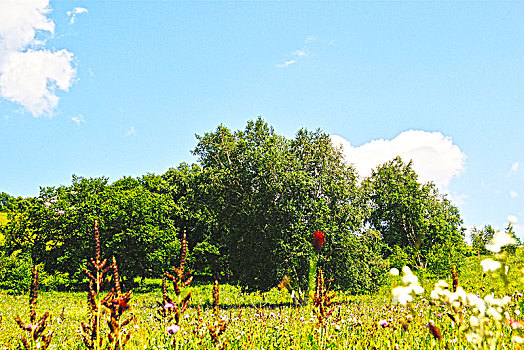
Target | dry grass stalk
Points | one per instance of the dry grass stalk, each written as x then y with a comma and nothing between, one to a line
170,311
323,300
435,332
455,278
115,301
34,328
219,326
216,298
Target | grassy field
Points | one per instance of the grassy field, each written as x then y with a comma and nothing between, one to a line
270,321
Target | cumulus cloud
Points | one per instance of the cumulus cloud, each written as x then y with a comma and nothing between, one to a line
75,12
435,157
30,74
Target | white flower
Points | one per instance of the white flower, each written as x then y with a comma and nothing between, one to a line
494,313
517,339
402,295
461,294
434,294
474,338
408,279
476,302
473,321
417,288
407,270
489,265
441,284
394,271
500,239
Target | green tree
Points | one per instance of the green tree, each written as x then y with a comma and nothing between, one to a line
135,226
413,216
481,237
265,196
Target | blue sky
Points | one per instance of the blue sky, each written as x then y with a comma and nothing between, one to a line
115,88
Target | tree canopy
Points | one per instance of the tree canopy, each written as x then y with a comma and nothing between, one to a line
249,206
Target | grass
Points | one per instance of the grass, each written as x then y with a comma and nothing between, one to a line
269,320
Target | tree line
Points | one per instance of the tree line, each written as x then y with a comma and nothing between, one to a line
249,206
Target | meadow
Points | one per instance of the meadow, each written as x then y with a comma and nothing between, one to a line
235,320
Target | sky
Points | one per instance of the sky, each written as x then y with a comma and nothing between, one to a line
120,88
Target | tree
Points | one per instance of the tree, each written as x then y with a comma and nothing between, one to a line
135,227
266,195
412,216
481,237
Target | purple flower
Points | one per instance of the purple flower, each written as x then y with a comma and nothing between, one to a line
168,306
383,323
173,329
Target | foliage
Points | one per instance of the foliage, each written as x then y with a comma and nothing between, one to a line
411,216
481,237
135,226
266,195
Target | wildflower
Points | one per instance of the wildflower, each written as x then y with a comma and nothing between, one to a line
383,323
402,295
473,338
318,240
517,339
516,324
489,265
168,306
394,271
494,313
410,278
173,329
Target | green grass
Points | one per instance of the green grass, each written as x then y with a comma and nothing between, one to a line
269,321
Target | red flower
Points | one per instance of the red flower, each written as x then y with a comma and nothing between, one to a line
318,240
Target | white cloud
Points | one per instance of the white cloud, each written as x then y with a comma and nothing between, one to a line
304,52
30,78
131,131
75,12
29,73
310,39
513,194
286,64
435,157
512,219
79,119
514,168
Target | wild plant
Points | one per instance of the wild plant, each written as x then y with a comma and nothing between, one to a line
116,302
317,240
219,326
285,284
482,321
170,310
91,332
34,337
323,300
